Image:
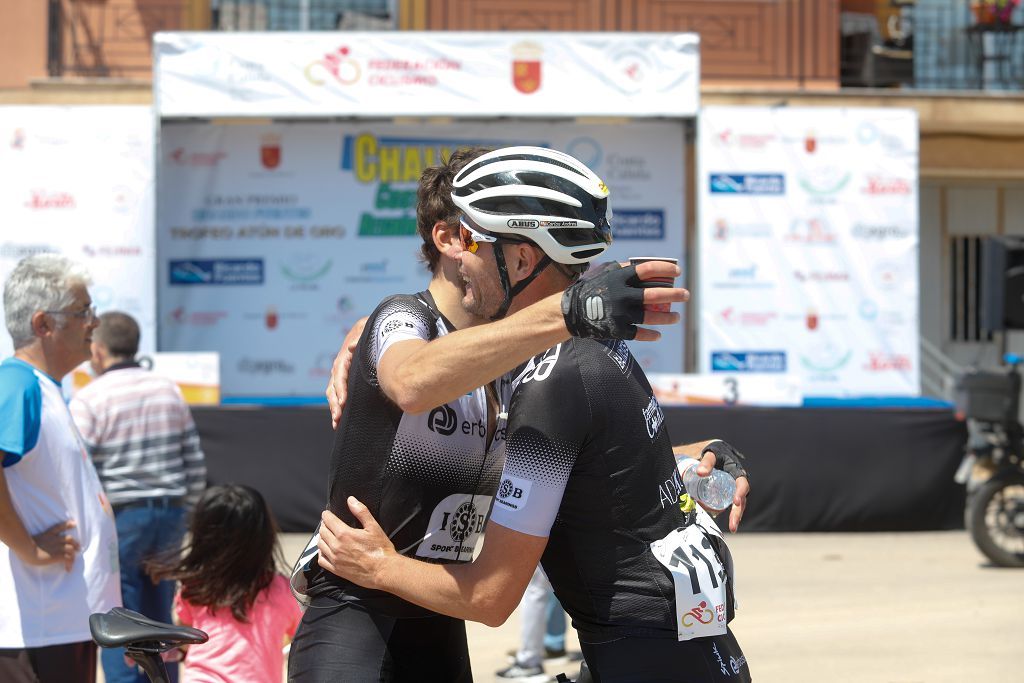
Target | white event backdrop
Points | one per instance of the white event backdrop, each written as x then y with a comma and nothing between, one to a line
275,238
79,181
808,247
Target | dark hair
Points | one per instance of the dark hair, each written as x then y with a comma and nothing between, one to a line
232,553
434,200
119,333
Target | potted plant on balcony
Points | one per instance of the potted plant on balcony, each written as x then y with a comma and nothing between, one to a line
993,11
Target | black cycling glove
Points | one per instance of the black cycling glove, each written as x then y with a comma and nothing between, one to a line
607,306
727,458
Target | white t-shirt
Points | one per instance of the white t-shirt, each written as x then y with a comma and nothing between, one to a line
51,480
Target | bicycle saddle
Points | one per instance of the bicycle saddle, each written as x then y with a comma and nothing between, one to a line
122,627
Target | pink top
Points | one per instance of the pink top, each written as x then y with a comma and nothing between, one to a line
236,651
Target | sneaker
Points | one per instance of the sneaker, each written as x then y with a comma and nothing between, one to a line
522,674
549,653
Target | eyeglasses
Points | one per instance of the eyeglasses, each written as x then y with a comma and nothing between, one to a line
471,238
89,314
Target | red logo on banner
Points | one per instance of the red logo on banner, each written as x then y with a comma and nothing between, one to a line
42,199
810,142
880,185
526,67
270,151
879,361
271,319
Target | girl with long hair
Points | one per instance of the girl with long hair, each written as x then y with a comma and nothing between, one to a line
230,587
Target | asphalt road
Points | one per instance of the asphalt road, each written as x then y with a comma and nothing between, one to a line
885,607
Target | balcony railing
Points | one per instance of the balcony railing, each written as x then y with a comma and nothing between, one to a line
932,45
303,15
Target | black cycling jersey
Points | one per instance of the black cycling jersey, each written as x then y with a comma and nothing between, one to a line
428,479
589,464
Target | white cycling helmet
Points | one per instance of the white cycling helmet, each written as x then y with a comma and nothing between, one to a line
541,195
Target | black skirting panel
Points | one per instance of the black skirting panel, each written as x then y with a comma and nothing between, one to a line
811,469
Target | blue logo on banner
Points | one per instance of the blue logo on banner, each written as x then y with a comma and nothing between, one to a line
748,183
748,361
240,271
638,224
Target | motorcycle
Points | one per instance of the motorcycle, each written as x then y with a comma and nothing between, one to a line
993,463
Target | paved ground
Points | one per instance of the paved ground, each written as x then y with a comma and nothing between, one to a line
891,608
864,608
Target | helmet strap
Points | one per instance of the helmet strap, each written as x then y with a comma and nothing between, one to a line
510,291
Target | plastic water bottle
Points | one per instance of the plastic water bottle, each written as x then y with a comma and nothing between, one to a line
714,491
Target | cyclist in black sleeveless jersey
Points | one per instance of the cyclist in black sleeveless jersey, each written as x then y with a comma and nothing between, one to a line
590,484
426,467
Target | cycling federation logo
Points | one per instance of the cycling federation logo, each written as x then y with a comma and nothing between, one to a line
526,66
442,420
337,64
700,613
654,417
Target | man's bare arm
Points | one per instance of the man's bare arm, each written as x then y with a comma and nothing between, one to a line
485,590
52,546
457,363
337,385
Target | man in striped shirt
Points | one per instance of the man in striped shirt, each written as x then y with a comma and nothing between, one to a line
145,447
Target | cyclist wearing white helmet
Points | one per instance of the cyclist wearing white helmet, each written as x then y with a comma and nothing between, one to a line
426,464
589,484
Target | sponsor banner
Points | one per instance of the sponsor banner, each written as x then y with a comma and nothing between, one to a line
274,239
424,74
79,181
808,236
744,388
196,374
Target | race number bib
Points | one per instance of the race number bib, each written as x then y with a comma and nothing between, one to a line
700,576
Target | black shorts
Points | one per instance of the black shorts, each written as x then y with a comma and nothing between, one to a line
67,663
347,643
715,659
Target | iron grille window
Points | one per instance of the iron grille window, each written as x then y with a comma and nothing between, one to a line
304,15
965,290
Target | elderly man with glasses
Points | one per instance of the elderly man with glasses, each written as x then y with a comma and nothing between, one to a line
58,544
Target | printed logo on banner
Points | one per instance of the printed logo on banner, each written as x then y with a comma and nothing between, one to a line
305,270
885,361
868,133
183,316
337,64
216,272
887,275
724,230
731,316
748,361
42,200
811,231
886,185
821,276
270,151
747,140
179,156
747,183
884,319
265,366
374,271
824,183
742,277
18,139
812,141
114,250
878,233
638,224
526,66
825,357
16,251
